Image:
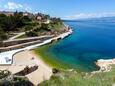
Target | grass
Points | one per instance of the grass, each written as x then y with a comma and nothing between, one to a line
77,79
22,36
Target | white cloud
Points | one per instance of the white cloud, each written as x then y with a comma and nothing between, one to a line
27,8
12,6
89,15
17,6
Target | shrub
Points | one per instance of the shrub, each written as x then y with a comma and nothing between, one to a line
54,70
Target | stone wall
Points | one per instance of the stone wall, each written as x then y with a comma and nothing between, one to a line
18,44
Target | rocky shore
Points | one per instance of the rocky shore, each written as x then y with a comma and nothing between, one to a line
105,65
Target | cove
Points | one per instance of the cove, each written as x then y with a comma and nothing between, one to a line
90,41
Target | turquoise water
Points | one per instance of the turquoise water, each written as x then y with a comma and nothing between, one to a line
89,42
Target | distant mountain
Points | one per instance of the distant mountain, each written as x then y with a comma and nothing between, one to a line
102,19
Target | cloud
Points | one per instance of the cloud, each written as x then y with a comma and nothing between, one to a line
27,8
17,6
12,6
89,15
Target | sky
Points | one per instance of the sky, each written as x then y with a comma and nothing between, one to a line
66,9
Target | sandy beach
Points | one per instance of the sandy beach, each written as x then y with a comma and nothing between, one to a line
23,59
29,58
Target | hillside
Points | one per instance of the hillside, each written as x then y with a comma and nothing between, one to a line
73,78
32,25
100,19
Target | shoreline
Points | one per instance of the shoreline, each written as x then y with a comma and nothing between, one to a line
52,62
39,58
29,58
44,71
102,64
9,54
20,58
23,58
105,65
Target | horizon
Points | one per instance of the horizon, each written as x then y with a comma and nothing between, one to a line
63,9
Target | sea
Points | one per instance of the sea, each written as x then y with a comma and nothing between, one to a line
91,40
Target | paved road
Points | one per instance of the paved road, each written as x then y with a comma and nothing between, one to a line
19,34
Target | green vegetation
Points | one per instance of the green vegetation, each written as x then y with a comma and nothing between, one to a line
42,28
22,36
16,81
81,79
4,73
18,22
12,23
32,24
7,79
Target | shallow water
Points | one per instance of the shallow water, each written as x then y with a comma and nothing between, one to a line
89,42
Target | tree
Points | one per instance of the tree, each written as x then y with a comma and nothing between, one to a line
3,35
28,28
45,27
31,33
4,74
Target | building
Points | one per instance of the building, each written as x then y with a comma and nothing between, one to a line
7,13
39,18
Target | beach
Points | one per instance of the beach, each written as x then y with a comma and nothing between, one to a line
19,59
28,58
